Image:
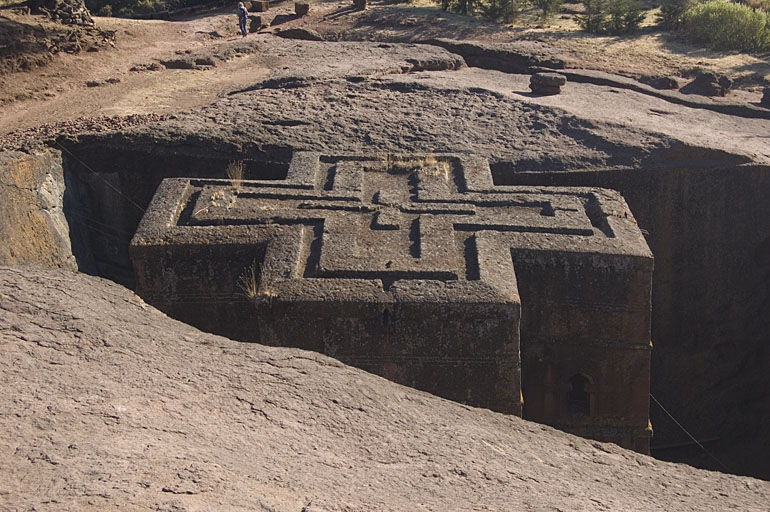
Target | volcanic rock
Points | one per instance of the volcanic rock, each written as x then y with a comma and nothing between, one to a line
709,84
301,9
108,403
547,84
306,34
69,12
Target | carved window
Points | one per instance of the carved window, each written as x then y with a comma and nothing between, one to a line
579,396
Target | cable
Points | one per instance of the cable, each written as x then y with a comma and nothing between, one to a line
724,467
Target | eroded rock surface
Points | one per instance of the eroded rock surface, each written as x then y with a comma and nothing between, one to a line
32,223
108,403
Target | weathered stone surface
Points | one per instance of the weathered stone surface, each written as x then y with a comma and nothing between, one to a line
108,404
662,82
412,268
517,57
685,97
709,84
33,228
256,23
547,84
282,18
210,57
69,12
696,192
306,34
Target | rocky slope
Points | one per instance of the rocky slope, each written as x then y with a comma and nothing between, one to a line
107,403
696,180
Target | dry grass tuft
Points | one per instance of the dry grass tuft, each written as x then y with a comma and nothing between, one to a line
248,282
235,173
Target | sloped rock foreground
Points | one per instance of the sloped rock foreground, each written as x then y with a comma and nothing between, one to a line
106,402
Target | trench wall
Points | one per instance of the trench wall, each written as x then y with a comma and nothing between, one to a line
709,230
33,228
109,188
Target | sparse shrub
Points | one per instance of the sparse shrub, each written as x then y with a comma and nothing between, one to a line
672,13
728,25
594,15
248,282
235,173
624,16
547,7
106,10
502,10
130,7
611,16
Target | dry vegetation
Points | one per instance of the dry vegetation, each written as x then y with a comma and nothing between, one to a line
248,282
235,174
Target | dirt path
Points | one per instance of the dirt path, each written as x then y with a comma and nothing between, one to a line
59,92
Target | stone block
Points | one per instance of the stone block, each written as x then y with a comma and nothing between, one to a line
422,270
360,4
260,5
301,9
255,23
547,84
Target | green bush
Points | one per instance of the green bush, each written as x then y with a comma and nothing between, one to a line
611,16
547,7
129,7
594,15
624,16
672,13
502,10
728,25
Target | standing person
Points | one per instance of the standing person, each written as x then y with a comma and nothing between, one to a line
243,16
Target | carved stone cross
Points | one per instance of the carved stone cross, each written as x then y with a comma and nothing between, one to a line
424,271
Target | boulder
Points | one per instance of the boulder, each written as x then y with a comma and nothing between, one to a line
662,82
69,12
547,84
306,34
708,83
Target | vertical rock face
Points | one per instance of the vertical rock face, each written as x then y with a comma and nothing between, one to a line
32,223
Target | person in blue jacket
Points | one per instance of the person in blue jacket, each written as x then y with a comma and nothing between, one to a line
243,16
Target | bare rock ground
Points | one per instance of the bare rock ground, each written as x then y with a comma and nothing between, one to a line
57,91
108,403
